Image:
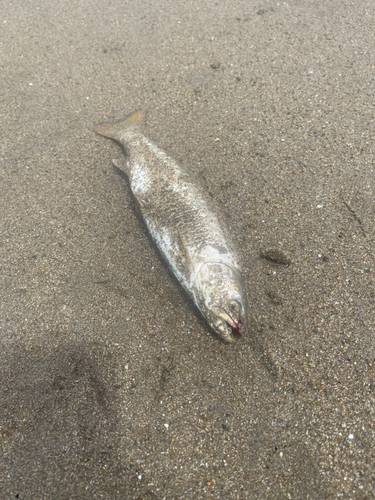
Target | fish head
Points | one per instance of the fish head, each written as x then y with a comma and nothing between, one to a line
221,299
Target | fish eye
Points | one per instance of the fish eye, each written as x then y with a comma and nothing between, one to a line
235,306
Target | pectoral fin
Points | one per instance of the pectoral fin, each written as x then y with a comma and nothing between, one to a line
122,164
185,254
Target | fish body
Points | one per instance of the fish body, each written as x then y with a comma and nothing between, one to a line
186,224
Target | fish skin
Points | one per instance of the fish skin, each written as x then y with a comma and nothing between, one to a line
187,226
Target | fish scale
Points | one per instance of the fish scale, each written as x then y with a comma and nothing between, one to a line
187,226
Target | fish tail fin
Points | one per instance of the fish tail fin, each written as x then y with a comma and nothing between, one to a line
115,130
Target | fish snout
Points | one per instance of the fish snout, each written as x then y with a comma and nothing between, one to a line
230,326
236,316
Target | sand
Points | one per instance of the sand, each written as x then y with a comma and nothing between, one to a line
112,385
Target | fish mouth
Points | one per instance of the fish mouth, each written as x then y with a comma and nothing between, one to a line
237,326
234,327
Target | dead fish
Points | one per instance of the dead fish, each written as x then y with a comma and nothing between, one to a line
187,226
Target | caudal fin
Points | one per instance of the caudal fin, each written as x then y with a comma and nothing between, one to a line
114,130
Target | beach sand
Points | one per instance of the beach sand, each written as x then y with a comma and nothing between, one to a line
112,385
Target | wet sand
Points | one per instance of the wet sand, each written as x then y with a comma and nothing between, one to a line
112,385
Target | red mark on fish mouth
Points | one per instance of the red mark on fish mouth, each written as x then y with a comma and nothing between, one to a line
238,326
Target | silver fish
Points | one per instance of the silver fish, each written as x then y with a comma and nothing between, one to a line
187,227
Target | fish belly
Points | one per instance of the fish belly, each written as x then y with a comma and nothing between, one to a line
182,220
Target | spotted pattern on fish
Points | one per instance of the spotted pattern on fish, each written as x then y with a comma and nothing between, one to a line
187,226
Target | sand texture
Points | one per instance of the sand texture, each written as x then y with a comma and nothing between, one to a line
112,386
